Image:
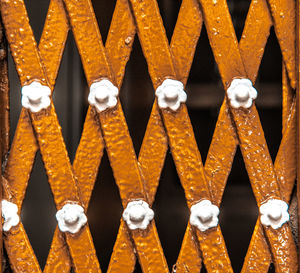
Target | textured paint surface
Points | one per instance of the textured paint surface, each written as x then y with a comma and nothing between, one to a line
47,130
138,179
262,177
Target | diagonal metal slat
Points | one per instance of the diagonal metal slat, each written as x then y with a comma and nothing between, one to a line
46,126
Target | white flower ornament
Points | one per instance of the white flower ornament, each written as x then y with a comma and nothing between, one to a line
204,215
241,93
103,95
138,215
10,215
36,96
274,213
170,94
71,218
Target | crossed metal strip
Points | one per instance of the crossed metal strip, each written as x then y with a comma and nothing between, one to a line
47,129
254,149
258,13
267,31
127,154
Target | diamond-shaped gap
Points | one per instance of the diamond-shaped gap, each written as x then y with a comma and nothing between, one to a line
272,269
104,213
137,95
203,269
238,213
69,96
293,211
38,212
238,10
205,94
37,11
6,268
171,211
15,96
104,11
169,10
269,100
138,268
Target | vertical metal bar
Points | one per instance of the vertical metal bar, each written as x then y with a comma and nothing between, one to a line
4,115
4,94
298,110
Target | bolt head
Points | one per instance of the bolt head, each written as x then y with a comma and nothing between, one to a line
138,214
171,94
35,98
205,215
102,97
71,217
243,94
275,214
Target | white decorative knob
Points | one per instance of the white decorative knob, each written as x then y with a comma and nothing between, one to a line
241,93
138,214
170,94
10,215
274,213
36,96
204,215
103,95
71,218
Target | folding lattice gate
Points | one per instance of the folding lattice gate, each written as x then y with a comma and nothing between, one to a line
138,177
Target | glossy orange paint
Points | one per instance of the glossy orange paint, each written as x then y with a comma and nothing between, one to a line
139,179
47,130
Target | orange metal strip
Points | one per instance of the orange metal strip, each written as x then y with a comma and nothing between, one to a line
4,96
256,155
21,257
120,40
193,172
53,40
63,185
154,136
222,39
85,169
258,255
183,145
255,35
123,257
55,157
21,41
121,154
91,141
185,37
189,259
287,97
88,38
50,141
221,154
20,161
298,111
257,28
245,125
24,137
129,181
283,13
153,40
58,260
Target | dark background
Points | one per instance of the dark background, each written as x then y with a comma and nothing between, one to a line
205,94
